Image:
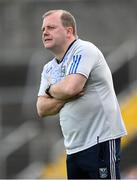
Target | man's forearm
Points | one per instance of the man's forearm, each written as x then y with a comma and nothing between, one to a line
70,87
47,106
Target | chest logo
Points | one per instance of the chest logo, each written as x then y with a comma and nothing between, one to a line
63,71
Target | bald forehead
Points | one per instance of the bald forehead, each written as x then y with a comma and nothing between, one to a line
57,13
60,17
52,19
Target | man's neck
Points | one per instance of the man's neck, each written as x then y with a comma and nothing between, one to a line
60,54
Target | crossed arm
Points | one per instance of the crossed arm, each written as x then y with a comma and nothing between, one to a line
63,91
47,106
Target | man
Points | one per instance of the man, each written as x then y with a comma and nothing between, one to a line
77,84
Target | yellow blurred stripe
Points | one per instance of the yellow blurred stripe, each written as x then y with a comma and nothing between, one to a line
129,113
57,169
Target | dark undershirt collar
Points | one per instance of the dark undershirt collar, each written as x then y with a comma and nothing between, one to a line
59,61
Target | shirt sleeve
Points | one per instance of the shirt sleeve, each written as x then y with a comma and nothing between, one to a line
43,84
83,61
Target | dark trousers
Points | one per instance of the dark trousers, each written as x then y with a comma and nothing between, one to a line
97,162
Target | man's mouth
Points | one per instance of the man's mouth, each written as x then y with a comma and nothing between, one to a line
47,40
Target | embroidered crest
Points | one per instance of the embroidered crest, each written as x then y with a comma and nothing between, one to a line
103,172
63,70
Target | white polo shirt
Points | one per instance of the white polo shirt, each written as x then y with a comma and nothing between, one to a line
95,116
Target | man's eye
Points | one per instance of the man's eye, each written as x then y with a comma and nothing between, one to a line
51,27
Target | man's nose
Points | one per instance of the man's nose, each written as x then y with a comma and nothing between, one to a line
45,32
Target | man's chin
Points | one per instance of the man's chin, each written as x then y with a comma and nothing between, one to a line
48,46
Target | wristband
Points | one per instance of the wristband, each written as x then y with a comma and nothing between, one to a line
47,91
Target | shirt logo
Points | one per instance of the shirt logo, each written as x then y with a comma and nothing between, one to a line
103,172
49,69
63,71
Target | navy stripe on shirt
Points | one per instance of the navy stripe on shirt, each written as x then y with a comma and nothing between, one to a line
74,65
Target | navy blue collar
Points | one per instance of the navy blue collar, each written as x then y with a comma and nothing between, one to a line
59,61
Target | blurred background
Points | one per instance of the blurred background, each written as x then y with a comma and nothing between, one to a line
31,147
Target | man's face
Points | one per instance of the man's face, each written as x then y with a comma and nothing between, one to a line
53,33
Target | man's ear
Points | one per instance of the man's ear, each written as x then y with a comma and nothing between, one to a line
69,31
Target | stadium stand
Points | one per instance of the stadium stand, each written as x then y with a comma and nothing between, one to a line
29,146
